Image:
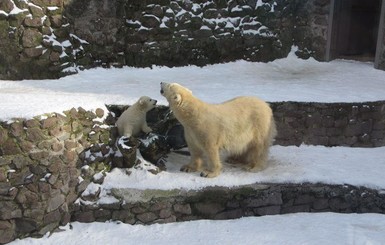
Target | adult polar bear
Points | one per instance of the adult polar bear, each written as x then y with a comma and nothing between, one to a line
244,127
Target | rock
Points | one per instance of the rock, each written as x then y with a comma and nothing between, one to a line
99,112
204,32
3,135
33,52
209,209
150,21
155,10
25,226
33,22
154,149
55,202
147,217
182,208
10,147
56,21
36,10
128,147
6,5
175,137
7,230
31,38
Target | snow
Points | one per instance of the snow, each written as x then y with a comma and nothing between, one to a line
300,228
287,164
288,79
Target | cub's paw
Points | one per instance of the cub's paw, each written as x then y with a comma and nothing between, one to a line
188,169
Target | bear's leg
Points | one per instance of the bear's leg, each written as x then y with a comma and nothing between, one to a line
146,129
214,165
256,157
195,163
127,131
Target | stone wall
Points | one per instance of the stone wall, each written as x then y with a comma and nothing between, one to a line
47,162
40,168
158,206
330,124
51,38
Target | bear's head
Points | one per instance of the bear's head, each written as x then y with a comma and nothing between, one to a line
174,93
146,103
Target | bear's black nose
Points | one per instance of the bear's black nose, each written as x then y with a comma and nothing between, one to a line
161,91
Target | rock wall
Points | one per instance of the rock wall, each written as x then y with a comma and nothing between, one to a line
47,162
52,38
40,168
158,206
330,124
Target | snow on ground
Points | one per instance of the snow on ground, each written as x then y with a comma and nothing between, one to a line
290,164
300,228
288,79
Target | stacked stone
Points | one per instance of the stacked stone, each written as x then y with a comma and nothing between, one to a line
58,37
39,169
38,31
330,124
157,206
196,32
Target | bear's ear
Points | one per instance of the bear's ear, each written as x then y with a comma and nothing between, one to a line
177,98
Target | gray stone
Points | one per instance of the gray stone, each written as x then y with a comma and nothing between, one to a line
36,10
34,22
270,210
170,219
7,231
6,5
147,217
85,217
231,214
33,52
24,226
182,208
270,199
9,210
150,21
208,209
295,209
31,38
321,203
55,202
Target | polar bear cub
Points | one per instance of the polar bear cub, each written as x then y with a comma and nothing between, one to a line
133,120
243,127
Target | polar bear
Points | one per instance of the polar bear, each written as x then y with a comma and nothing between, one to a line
243,127
133,120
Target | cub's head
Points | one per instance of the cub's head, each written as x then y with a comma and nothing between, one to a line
146,103
174,93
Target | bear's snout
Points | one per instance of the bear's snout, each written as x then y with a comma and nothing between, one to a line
155,101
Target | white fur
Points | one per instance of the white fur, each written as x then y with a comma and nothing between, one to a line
133,120
244,127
